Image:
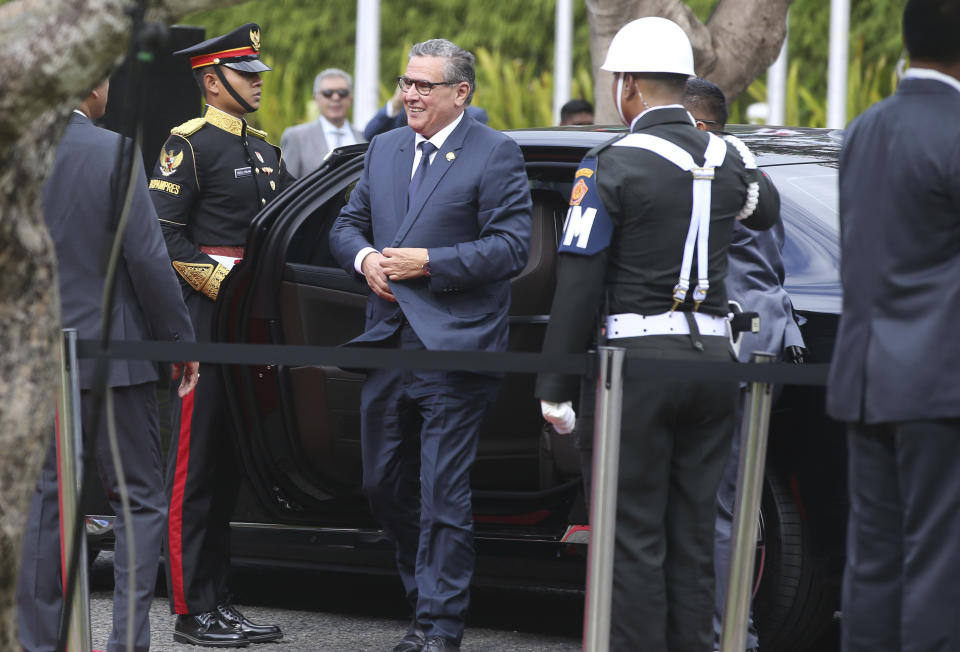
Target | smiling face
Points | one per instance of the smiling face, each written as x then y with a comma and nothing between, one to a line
430,113
336,107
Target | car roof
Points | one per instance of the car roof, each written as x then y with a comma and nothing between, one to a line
770,144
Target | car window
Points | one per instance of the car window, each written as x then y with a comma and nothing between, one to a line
811,251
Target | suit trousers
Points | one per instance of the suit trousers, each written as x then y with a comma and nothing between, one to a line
901,584
674,442
419,439
202,484
39,589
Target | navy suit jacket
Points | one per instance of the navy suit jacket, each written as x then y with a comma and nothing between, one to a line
755,275
473,215
76,206
896,357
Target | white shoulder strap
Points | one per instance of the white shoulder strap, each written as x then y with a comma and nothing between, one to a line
699,231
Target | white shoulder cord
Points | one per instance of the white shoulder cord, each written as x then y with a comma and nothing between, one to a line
753,188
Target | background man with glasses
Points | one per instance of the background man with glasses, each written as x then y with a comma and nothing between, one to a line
438,224
304,146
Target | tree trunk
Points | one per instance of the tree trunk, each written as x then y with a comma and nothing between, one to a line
52,52
740,40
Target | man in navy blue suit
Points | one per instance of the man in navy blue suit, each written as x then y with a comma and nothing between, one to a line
895,374
438,224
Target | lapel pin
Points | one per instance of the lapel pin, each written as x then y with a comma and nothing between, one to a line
451,156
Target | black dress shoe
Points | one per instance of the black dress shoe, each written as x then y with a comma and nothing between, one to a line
413,640
438,644
207,629
255,633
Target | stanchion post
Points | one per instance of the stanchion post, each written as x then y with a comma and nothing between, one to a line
753,456
69,476
603,507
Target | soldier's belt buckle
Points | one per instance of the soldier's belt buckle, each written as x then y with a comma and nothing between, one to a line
703,173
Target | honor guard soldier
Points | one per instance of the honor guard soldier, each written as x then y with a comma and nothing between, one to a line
649,225
213,175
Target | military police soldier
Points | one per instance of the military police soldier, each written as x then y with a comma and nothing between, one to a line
649,224
213,175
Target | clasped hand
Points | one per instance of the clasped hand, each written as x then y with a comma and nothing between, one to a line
393,264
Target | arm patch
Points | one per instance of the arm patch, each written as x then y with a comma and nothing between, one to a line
588,228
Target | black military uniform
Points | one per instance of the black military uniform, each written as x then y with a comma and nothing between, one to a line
625,236
212,177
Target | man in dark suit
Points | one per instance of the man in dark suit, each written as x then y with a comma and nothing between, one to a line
305,146
147,305
895,374
438,251
755,276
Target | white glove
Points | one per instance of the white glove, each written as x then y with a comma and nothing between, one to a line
560,415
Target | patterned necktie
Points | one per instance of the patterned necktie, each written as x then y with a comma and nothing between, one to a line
427,148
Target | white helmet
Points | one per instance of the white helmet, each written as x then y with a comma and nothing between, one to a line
650,44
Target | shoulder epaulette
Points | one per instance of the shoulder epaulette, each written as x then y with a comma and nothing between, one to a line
599,148
262,135
189,127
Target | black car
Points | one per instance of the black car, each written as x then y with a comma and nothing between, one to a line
298,427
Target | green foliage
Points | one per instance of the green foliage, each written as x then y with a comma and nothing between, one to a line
875,48
514,94
513,42
302,37
868,82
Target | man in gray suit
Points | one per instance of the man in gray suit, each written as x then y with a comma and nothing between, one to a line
755,276
895,374
304,146
148,305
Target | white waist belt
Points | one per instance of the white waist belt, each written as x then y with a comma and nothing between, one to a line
629,324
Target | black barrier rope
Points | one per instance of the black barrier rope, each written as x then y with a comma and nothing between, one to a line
480,361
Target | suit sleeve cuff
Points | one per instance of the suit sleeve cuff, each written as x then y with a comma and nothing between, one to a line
358,261
390,112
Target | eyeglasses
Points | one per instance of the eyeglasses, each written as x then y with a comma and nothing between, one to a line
341,92
422,85
706,122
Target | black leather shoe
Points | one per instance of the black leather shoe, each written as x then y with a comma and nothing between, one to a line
207,629
438,644
413,640
255,633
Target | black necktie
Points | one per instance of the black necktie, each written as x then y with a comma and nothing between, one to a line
426,148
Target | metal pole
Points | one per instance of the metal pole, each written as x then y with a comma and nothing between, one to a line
562,56
753,456
603,507
366,62
777,84
69,476
837,68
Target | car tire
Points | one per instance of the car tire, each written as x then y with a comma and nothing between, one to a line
797,595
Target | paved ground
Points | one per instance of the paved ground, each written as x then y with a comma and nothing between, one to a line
322,612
